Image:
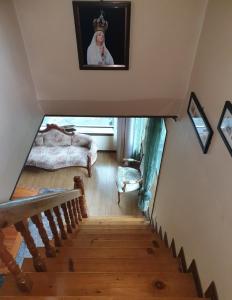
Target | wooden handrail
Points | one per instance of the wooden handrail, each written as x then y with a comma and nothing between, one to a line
15,211
73,205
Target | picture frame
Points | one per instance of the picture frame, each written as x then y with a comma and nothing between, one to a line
102,34
200,122
225,125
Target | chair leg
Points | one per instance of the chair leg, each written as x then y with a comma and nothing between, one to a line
89,166
118,198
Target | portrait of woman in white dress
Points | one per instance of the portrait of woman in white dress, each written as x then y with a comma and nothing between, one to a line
97,53
103,34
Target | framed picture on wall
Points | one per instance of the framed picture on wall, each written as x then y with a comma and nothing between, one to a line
225,125
200,122
102,34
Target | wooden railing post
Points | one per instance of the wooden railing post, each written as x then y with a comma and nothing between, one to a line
60,223
54,230
70,211
49,249
66,217
78,184
23,282
75,211
38,262
78,209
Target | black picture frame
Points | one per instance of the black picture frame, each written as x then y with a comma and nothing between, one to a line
116,37
200,122
225,125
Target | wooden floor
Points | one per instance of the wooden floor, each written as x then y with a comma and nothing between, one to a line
101,191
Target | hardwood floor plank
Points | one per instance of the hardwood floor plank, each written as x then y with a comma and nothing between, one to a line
101,191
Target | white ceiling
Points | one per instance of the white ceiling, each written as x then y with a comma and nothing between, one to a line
164,37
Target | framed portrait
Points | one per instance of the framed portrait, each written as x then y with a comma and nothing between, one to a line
200,122
225,125
102,34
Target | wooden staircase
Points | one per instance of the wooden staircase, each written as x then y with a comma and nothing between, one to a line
107,259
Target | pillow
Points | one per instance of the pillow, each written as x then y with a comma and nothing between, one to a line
54,138
39,140
82,140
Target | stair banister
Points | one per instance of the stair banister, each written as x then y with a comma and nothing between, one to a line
17,213
14,211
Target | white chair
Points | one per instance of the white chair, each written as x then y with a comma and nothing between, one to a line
129,177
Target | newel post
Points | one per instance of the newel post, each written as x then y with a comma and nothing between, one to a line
78,184
23,282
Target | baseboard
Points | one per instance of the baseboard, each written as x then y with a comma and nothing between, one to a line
173,248
193,269
182,260
166,239
156,227
160,233
211,292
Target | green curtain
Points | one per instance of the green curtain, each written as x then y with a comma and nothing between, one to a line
139,125
153,148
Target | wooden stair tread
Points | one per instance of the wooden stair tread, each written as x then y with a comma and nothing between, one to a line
115,236
115,226
109,258
114,232
96,242
106,284
94,298
150,253
104,265
117,222
124,218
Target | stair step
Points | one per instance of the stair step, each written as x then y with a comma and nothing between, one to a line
94,298
95,242
115,226
114,236
114,219
104,265
111,231
150,253
158,284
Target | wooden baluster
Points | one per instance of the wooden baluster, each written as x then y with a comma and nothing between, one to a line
70,211
60,223
54,230
66,217
78,184
38,261
78,209
75,211
23,282
83,208
49,249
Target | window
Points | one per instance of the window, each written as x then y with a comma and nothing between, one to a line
80,121
88,125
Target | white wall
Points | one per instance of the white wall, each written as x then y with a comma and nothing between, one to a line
164,36
194,202
104,142
19,113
